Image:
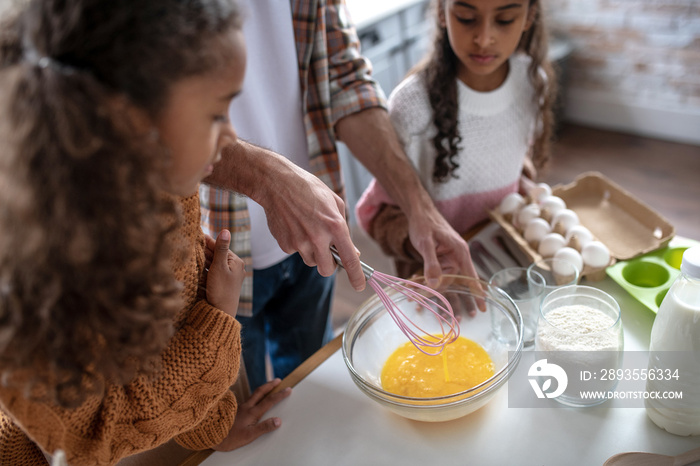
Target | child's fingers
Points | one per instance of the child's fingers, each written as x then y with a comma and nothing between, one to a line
268,402
252,432
210,242
221,250
248,425
262,400
264,427
209,245
262,391
235,263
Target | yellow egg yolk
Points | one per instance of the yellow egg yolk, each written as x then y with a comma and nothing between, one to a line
463,364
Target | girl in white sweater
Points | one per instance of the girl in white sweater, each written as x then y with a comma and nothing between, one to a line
473,117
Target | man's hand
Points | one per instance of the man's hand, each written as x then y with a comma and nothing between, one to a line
371,137
303,214
443,250
310,218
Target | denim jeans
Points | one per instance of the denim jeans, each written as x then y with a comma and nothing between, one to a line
291,307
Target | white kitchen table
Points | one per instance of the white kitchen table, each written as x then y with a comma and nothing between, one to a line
328,421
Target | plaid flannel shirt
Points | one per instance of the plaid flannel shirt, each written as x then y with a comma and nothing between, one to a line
335,82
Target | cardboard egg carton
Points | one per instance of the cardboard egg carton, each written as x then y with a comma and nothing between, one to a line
627,226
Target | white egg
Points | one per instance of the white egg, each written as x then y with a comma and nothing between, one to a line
595,254
564,220
570,255
536,229
551,205
550,244
526,214
578,236
540,191
511,203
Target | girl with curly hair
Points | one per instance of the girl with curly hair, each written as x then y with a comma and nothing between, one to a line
117,316
475,118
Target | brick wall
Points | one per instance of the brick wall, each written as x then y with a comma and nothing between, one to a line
635,64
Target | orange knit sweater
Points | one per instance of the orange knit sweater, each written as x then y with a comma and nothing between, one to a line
189,400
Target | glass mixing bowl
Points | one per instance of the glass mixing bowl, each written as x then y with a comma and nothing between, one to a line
372,336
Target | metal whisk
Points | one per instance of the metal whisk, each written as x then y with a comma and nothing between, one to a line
428,343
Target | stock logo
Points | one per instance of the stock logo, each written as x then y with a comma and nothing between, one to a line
543,372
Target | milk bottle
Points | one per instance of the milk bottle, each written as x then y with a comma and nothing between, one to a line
674,361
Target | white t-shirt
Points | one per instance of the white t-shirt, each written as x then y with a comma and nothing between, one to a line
268,112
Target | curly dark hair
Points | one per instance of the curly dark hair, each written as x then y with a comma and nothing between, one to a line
439,71
87,290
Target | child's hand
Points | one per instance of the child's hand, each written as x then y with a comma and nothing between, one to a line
247,426
210,244
225,276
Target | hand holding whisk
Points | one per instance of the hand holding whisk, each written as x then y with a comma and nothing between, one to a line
428,343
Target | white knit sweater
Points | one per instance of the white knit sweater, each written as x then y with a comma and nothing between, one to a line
497,131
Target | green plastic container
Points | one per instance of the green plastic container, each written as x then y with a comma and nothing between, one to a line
647,278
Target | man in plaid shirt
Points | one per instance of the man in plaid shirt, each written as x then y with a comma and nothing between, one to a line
306,87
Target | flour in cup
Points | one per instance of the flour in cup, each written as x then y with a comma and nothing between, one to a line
581,339
577,328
